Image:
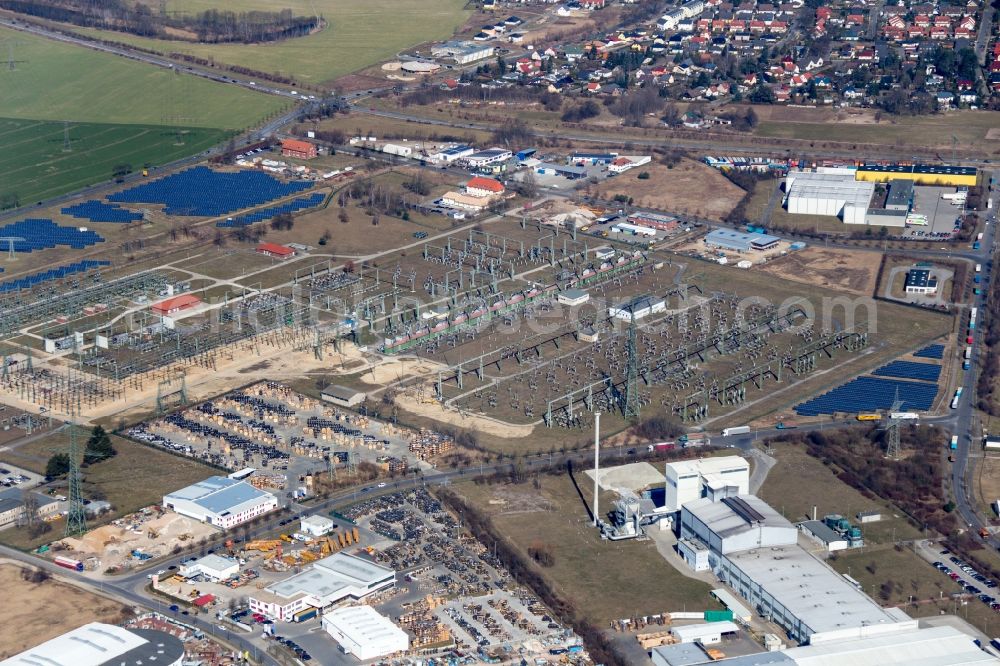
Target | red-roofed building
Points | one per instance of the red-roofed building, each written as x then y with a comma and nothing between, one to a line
176,304
484,187
296,148
204,600
275,250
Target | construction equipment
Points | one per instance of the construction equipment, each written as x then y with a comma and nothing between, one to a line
152,534
286,538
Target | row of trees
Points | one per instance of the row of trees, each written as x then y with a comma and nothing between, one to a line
137,18
98,449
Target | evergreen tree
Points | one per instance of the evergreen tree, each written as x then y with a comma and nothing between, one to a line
99,446
58,465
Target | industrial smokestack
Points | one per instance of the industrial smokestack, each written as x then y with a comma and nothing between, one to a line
597,459
814,512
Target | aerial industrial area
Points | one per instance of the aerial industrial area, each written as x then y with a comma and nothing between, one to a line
599,332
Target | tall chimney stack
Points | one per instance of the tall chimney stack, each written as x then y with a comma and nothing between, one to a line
597,459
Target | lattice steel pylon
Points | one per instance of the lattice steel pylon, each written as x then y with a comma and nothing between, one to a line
630,406
891,427
76,517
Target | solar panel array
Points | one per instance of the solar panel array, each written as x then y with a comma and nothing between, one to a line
292,206
202,192
42,234
868,394
98,211
928,372
932,351
29,281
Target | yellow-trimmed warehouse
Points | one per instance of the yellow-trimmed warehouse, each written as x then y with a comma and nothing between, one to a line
921,174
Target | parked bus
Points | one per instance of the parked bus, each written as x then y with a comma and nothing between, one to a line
869,417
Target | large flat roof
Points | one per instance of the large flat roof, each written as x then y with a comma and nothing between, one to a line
218,494
96,643
920,168
331,576
715,465
812,185
728,237
816,594
932,646
363,624
735,515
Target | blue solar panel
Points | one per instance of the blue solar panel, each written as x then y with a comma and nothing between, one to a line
932,351
29,281
44,234
866,394
292,206
98,211
202,192
927,372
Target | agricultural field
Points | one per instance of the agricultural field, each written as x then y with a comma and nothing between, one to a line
358,34
23,625
36,166
605,580
117,111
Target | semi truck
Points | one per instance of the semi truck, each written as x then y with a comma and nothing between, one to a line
738,430
69,563
904,416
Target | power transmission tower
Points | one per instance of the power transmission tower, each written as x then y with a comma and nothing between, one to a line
630,408
67,146
11,62
892,447
76,517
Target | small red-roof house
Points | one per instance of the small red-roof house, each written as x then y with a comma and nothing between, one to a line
176,304
275,250
296,148
484,187
204,600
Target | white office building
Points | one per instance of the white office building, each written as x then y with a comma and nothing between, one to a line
688,480
316,526
638,308
326,582
362,632
212,567
221,501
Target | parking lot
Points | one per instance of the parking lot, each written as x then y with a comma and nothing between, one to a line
16,477
967,579
941,214
282,434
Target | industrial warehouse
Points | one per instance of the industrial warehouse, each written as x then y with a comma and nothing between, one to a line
221,501
362,632
328,581
99,644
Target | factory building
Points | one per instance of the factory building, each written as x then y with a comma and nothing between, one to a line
802,595
12,505
462,52
824,193
638,308
734,524
487,157
326,582
707,633
221,501
99,644
212,567
886,217
921,174
901,646
823,534
452,154
689,480
362,632
740,242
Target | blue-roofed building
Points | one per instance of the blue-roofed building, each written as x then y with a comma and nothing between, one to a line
221,501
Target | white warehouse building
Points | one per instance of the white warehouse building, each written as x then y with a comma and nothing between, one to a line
221,501
362,632
823,193
735,524
688,480
332,579
99,644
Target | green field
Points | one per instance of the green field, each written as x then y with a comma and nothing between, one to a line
118,111
36,167
359,33
60,82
